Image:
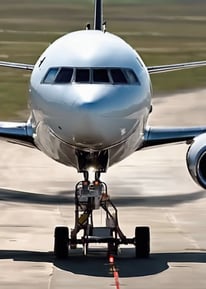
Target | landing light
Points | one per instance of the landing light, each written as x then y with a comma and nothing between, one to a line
91,169
85,183
111,259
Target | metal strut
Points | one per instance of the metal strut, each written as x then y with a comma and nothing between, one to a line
90,197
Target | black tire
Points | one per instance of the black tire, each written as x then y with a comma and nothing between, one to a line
61,240
142,242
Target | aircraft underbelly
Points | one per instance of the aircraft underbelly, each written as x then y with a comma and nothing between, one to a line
66,154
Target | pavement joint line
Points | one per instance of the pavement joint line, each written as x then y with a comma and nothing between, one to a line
173,220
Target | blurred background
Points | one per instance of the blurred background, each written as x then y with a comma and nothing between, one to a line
162,31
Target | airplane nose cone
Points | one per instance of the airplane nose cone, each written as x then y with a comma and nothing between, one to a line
89,125
93,128
98,118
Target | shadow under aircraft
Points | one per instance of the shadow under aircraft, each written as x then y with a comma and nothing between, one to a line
97,265
67,198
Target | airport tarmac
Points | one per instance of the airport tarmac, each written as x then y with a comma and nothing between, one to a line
152,187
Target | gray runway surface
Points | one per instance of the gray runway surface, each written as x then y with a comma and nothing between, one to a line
151,187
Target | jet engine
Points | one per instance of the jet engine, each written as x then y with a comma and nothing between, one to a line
196,160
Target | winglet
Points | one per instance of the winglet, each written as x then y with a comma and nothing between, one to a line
98,15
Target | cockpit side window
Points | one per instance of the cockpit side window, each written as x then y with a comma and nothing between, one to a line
82,75
131,76
100,76
51,75
64,75
118,76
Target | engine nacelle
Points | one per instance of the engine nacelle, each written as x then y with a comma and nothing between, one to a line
196,160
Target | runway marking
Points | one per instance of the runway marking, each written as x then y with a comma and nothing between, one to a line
115,272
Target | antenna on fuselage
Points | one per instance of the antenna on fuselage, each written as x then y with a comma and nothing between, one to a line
98,15
104,26
88,26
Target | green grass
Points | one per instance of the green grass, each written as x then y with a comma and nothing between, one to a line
160,30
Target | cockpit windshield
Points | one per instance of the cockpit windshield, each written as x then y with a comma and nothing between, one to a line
64,75
69,75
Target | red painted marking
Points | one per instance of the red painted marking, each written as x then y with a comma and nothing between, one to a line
115,272
111,259
116,278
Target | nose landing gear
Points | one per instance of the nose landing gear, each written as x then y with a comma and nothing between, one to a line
90,196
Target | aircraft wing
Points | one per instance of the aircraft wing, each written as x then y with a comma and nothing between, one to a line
17,65
17,132
174,67
154,136
151,69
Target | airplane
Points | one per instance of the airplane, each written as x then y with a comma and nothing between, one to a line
90,98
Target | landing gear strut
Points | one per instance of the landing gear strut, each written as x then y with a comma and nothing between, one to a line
90,196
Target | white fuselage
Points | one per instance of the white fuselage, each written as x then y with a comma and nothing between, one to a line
89,116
